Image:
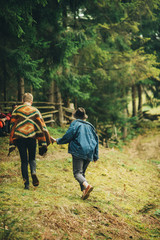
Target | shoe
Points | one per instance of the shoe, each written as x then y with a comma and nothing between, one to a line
26,187
87,191
35,180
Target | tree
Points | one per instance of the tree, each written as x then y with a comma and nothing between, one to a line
17,42
116,34
92,52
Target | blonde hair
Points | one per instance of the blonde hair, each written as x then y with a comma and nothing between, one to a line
27,97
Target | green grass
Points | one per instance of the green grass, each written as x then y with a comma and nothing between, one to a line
57,132
124,204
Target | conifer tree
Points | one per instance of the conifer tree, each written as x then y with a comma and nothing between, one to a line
17,44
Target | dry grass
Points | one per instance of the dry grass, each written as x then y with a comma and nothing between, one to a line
124,203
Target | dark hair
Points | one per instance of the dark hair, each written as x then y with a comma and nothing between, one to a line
80,113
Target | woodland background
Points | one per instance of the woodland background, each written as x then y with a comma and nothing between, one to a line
103,55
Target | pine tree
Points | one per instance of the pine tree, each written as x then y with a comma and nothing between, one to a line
17,43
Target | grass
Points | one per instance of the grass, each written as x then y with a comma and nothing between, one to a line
124,204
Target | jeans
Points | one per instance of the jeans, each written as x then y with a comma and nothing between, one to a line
79,168
27,151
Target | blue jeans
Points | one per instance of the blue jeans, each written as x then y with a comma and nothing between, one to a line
79,168
27,151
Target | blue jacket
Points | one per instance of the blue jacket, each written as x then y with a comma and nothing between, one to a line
82,139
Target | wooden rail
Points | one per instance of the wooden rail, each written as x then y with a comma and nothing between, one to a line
49,111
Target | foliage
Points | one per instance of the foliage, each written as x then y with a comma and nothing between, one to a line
22,65
17,44
94,51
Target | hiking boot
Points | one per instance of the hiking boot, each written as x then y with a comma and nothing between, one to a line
87,191
35,180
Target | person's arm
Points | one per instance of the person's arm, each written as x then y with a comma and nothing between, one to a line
12,146
4,118
46,133
8,116
68,136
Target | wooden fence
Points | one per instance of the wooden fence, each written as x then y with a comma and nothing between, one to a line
51,112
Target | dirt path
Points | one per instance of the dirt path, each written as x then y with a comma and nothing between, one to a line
146,146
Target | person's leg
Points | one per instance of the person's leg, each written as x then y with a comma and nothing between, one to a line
21,144
1,126
79,170
85,165
31,145
3,129
6,126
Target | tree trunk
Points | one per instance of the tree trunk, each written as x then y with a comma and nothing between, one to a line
133,101
4,82
60,109
51,94
68,102
31,89
139,100
20,88
125,124
75,103
64,12
51,98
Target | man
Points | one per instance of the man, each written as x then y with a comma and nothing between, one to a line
27,125
83,145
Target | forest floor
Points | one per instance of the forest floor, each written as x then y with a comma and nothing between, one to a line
125,202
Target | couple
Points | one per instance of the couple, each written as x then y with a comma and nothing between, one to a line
27,125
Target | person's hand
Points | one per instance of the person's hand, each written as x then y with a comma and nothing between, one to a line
3,120
53,140
42,150
11,149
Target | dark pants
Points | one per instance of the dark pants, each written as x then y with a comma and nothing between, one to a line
5,128
27,151
79,168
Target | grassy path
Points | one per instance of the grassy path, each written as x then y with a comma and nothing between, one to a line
125,203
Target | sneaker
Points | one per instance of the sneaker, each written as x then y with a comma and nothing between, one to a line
87,191
35,180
